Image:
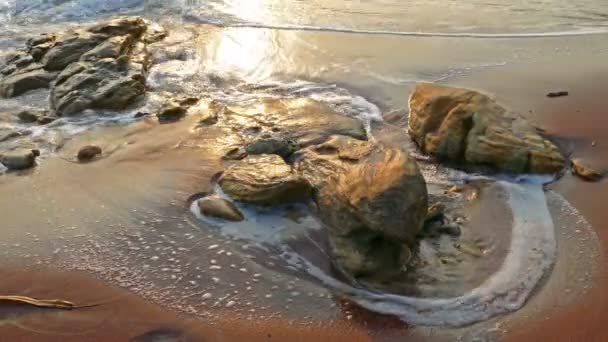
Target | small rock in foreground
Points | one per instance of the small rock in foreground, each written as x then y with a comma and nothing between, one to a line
87,153
215,206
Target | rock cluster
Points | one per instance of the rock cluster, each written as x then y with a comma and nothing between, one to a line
101,67
371,198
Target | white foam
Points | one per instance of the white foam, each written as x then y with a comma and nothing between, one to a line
289,27
531,256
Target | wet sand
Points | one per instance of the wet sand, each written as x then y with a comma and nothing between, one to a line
117,315
581,118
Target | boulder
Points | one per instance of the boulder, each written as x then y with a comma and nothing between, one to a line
465,127
373,200
89,152
581,169
264,179
215,206
19,159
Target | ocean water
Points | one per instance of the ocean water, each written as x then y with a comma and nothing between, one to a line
419,16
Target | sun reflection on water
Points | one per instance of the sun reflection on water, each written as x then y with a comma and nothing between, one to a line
246,52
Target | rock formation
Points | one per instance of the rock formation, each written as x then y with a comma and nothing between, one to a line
468,128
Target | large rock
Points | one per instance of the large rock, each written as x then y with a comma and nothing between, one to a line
466,127
372,198
264,179
100,67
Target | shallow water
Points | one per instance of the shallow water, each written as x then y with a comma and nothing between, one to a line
126,219
436,16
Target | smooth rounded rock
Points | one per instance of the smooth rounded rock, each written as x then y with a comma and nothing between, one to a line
88,153
215,206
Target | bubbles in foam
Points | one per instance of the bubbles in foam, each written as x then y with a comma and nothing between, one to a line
531,256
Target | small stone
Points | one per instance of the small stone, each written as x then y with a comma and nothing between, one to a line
171,112
557,94
582,170
215,206
20,159
87,153
207,296
29,116
44,120
140,114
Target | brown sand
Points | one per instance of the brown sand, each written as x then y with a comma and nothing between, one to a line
582,115
121,316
